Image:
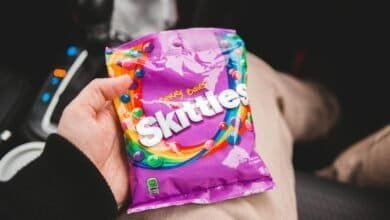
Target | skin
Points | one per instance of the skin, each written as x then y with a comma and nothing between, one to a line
90,123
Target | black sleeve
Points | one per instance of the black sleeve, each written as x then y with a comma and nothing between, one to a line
61,184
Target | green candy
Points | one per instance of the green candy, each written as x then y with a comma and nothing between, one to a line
243,64
154,161
250,118
137,112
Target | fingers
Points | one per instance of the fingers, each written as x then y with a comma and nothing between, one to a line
99,91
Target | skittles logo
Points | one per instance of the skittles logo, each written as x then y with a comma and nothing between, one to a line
173,120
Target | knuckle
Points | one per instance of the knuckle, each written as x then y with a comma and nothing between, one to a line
95,83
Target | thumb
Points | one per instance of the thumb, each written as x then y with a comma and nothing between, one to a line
99,91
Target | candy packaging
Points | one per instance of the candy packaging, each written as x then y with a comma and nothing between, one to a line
186,118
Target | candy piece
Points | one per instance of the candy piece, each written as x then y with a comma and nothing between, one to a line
225,43
128,64
208,144
238,51
148,47
248,125
233,139
133,53
250,118
243,64
154,161
61,73
137,112
235,74
235,122
125,98
223,125
139,73
138,156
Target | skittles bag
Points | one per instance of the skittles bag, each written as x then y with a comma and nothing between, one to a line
186,118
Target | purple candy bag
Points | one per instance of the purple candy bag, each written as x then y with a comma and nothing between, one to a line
186,118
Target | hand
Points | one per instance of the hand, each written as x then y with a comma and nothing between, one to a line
90,123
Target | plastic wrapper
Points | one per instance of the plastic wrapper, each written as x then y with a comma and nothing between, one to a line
186,118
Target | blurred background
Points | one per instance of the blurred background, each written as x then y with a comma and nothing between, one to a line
343,46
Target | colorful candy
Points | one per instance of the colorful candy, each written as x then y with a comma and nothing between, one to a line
223,125
138,156
209,144
148,47
125,98
137,112
139,73
134,53
154,161
248,125
233,139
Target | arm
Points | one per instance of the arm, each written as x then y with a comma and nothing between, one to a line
82,173
61,184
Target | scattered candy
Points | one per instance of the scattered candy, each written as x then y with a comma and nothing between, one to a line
233,139
225,43
154,161
134,53
128,64
208,144
238,51
137,112
235,122
148,47
139,73
125,98
236,74
243,64
138,156
248,125
250,118
223,125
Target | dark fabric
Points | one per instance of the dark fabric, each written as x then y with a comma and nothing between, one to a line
324,200
61,184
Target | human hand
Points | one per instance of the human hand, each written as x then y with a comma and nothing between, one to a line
90,123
